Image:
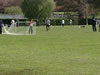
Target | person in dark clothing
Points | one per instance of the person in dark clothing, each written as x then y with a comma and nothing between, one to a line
0,26
94,25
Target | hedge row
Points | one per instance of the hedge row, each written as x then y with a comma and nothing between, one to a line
58,21
67,22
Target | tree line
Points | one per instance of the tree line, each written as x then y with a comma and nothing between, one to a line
82,7
8,3
38,9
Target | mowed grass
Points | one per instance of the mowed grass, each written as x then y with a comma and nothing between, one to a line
68,50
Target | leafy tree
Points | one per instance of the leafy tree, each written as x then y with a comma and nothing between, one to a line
37,9
13,10
96,3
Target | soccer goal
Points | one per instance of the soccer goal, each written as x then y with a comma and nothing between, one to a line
20,28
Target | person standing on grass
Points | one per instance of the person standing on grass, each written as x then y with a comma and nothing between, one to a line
31,26
0,26
63,22
94,25
99,26
48,24
13,23
70,21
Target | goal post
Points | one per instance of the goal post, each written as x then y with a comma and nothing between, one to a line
20,28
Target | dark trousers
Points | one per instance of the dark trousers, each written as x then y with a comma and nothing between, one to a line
63,25
0,30
30,30
94,28
47,27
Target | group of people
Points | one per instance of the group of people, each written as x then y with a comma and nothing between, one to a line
13,23
48,23
93,22
63,22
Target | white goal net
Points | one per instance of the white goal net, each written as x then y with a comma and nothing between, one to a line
20,28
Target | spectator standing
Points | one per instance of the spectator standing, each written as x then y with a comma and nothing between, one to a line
63,22
31,26
94,25
0,26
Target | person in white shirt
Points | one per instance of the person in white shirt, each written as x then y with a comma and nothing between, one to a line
70,21
63,23
48,24
13,23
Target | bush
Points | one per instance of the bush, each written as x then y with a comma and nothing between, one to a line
89,21
83,21
75,22
67,21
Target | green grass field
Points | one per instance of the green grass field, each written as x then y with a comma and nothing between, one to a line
60,51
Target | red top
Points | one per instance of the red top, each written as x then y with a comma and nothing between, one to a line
31,23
